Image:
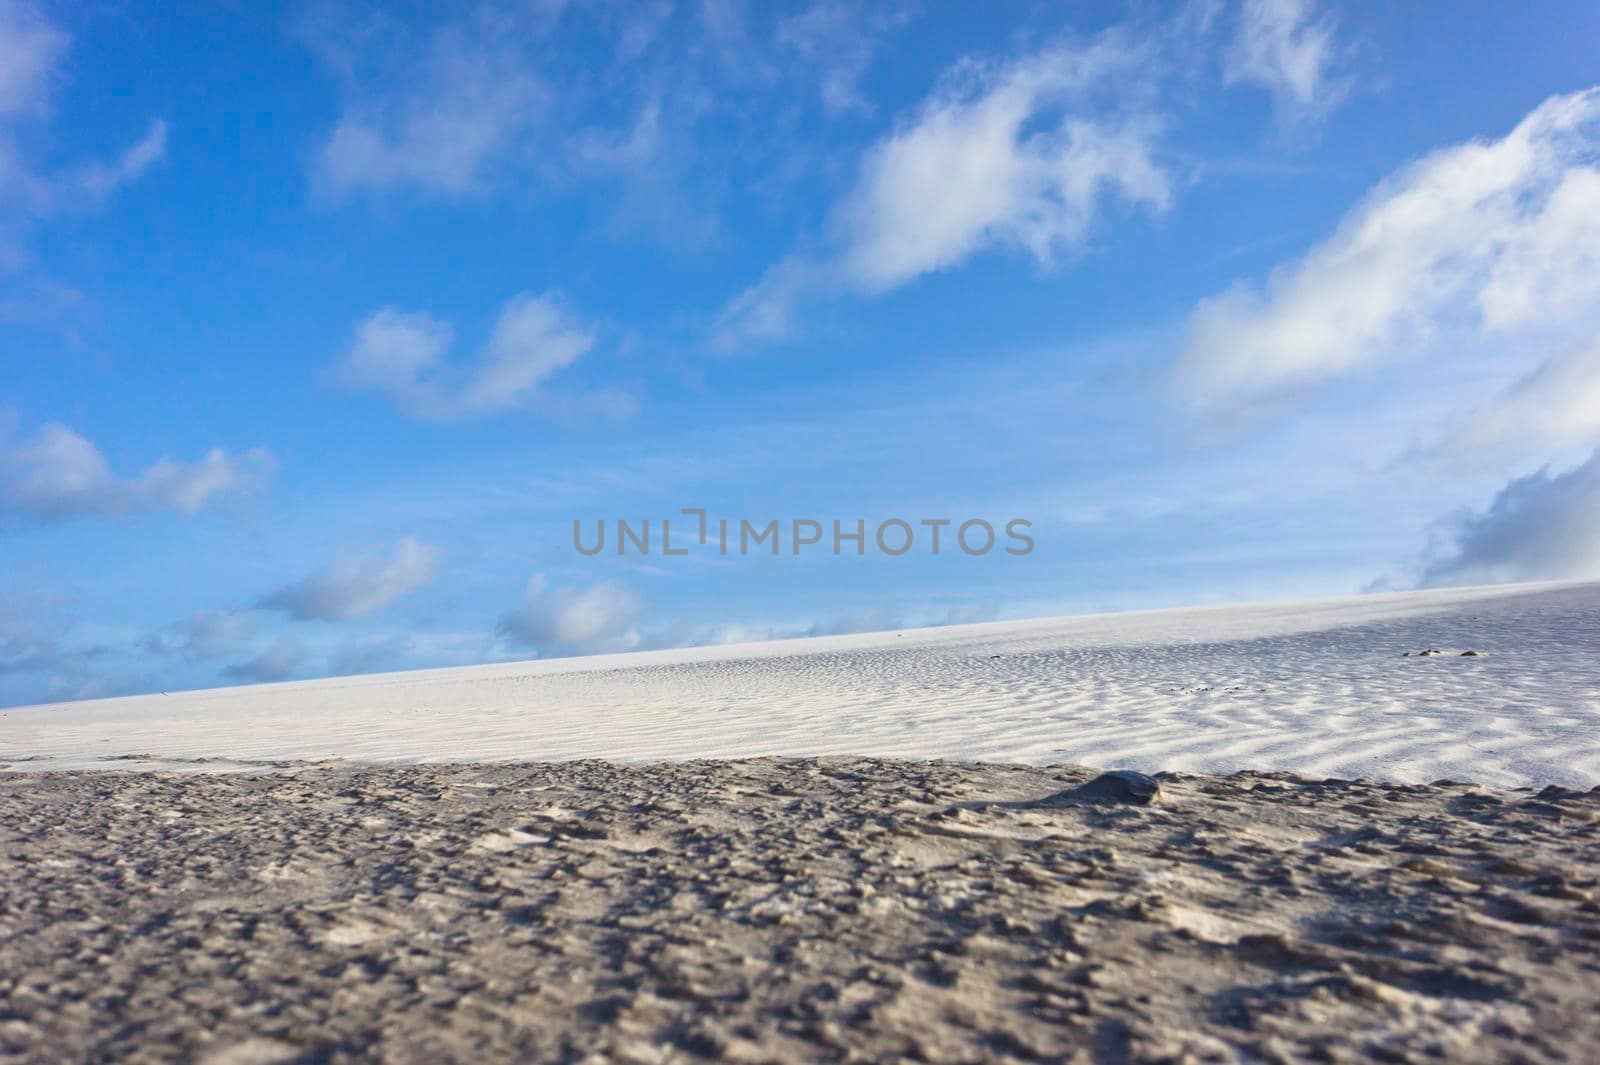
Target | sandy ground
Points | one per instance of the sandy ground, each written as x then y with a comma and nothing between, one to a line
794,911
1331,687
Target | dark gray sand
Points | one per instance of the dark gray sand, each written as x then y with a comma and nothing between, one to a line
797,911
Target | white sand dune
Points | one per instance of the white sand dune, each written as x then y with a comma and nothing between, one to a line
1317,687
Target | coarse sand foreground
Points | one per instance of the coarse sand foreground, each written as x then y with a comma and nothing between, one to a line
791,910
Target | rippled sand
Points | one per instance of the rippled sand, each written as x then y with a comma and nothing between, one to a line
1324,688
796,911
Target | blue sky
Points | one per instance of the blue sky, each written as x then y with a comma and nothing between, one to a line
321,324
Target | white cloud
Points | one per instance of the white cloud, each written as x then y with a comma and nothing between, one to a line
275,663
411,649
1026,155
39,660
26,646
879,618
32,58
100,180
30,51
393,351
533,338
730,632
1558,404
433,109
356,585
592,620
57,474
507,95
669,105
401,355
637,26
1494,240
636,147
870,619
838,41
203,634
1552,266
766,310
371,654
1287,47
1001,157
1539,527
29,196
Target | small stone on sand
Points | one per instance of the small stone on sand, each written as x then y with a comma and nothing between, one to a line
1119,785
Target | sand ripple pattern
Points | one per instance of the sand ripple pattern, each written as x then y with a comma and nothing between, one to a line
1319,688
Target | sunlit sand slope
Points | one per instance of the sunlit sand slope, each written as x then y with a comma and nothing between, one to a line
1321,688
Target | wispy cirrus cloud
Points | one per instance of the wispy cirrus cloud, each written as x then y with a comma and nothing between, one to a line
99,180
435,107
33,52
1290,48
57,474
840,40
545,100
357,584
37,189
768,310
402,355
31,48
